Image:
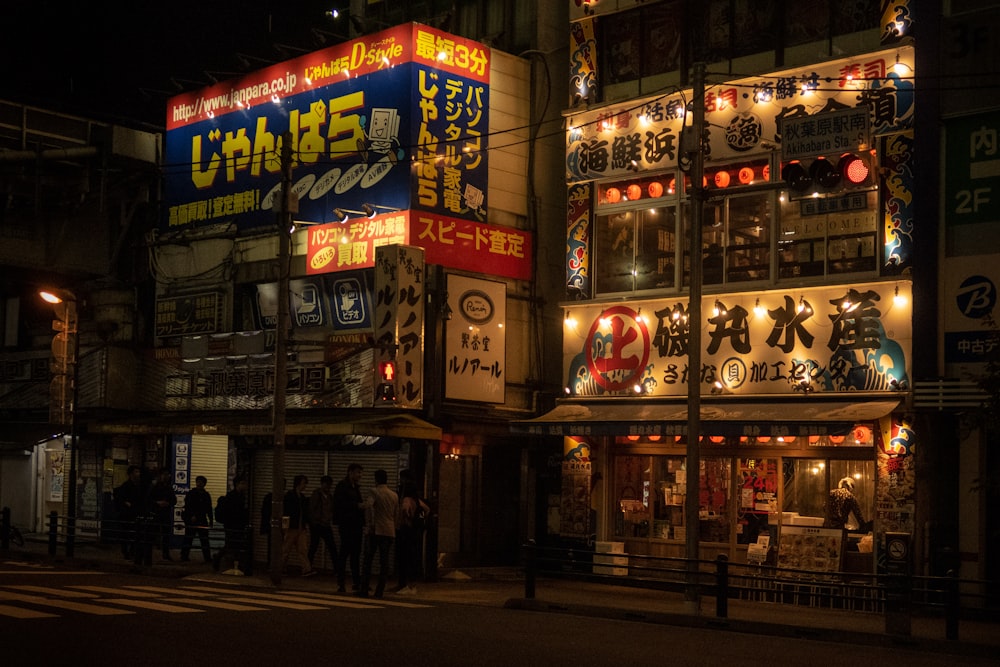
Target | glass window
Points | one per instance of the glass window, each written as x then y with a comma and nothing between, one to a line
635,236
758,498
713,499
815,240
810,498
632,488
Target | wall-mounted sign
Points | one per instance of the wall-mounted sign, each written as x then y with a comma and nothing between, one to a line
830,339
188,314
447,241
475,340
399,118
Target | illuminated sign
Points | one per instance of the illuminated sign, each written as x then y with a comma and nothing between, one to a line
742,115
397,119
824,339
447,241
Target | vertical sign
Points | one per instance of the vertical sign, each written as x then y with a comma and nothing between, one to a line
399,320
972,169
180,461
476,349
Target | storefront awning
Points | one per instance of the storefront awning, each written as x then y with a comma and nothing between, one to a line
377,423
802,417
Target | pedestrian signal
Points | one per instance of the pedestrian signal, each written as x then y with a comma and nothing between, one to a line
387,382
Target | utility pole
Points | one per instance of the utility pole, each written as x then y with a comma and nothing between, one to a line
692,478
281,358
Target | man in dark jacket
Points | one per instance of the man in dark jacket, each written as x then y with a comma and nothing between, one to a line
296,510
161,505
197,517
349,508
235,519
128,503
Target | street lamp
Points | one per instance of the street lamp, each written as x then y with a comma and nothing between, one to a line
66,350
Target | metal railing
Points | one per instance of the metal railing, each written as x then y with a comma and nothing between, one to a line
895,596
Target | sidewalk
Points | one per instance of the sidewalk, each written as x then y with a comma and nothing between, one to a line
504,587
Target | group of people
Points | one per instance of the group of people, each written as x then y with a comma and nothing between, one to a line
368,524
383,516
146,517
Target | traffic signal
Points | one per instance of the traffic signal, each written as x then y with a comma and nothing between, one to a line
387,382
830,173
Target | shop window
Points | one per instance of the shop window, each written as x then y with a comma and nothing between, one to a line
635,236
640,43
736,240
807,487
632,488
713,500
757,499
828,236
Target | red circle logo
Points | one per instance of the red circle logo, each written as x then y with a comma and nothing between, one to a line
617,348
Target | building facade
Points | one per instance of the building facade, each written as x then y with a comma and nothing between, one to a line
819,237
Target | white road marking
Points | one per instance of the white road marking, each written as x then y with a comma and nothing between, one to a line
114,591
59,592
64,604
17,612
219,604
154,606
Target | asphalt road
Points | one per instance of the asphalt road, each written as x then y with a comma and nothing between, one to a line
55,616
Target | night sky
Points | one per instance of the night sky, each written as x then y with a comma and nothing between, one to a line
121,61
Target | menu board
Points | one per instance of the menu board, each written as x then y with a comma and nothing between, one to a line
808,548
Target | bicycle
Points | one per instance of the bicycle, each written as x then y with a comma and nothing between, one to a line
14,536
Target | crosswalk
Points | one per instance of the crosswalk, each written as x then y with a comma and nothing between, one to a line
31,601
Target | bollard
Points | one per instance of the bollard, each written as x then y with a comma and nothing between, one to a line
5,529
53,532
529,571
722,586
952,606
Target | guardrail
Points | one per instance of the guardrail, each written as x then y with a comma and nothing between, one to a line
895,596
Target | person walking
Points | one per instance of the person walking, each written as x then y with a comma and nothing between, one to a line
233,512
128,502
382,507
349,509
321,520
296,509
161,504
197,515
413,511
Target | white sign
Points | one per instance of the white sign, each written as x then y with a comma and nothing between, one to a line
475,340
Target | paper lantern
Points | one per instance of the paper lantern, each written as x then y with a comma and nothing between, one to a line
655,189
613,195
722,179
634,192
746,175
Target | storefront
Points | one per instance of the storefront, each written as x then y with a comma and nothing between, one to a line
803,403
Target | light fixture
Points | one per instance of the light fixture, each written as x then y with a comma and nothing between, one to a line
369,210
758,309
897,298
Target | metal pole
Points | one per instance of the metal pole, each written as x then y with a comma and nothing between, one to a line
692,478
281,358
71,505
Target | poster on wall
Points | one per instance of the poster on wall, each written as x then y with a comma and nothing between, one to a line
574,497
808,548
476,340
57,475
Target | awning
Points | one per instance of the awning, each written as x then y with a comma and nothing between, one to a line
365,423
802,417
22,436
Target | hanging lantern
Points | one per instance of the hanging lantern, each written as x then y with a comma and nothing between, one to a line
746,175
655,189
613,195
634,192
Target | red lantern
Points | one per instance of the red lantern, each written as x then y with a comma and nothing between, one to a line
655,189
766,172
746,175
613,195
634,192
722,179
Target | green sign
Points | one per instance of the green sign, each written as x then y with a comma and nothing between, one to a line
972,169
